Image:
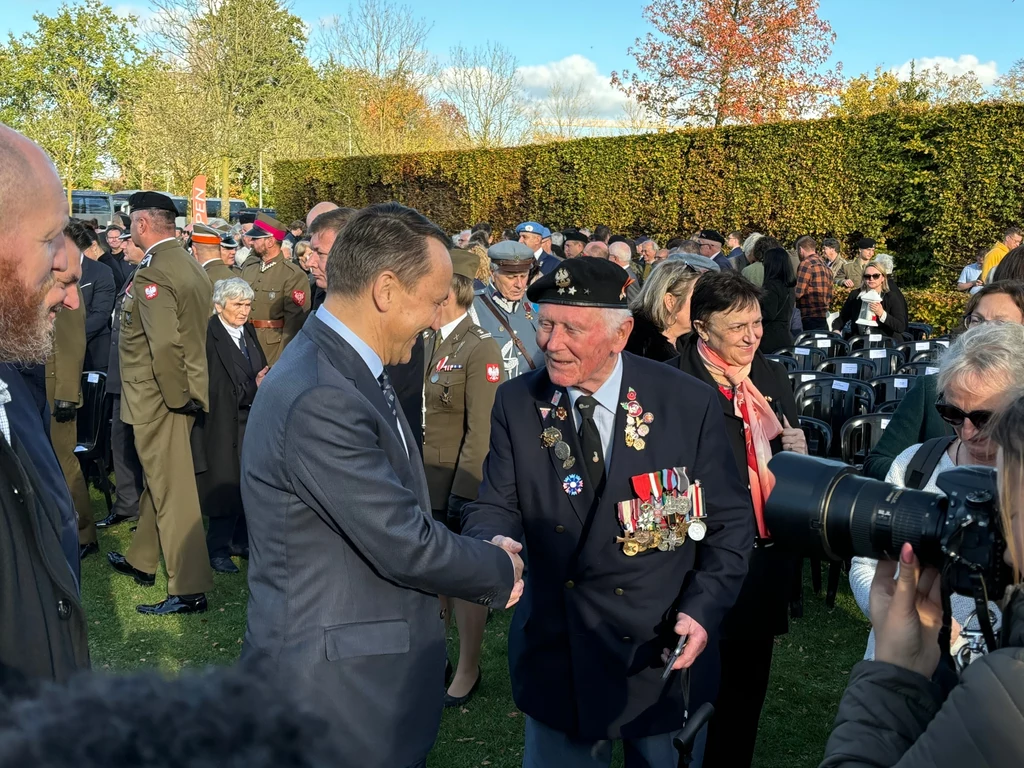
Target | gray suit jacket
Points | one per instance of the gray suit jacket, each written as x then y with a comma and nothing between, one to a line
345,558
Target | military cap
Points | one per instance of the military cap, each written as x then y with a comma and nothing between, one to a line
711,234
207,235
534,227
583,282
864,243
126,234
512,256
696,261
228,242
579,237
465,263
267,226
218,223
155,201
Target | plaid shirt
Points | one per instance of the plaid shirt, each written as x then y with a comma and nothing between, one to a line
813,287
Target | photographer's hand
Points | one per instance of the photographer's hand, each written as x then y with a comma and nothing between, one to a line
907,613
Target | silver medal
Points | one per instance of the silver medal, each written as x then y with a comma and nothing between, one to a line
697,530
562,450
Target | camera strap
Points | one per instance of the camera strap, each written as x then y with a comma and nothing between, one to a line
923,463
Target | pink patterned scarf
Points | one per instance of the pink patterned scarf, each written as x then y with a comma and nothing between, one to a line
762,426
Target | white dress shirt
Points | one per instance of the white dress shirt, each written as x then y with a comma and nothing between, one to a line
607,397
447,328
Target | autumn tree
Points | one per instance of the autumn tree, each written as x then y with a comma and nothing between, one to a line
1010,86
565,113
864,95
739,61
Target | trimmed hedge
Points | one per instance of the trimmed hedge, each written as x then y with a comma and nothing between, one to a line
942,310
932,187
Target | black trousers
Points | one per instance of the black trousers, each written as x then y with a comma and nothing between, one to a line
732,732
225,533
127,467
816,324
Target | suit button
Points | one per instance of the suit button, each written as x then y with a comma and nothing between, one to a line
63,609
627,639
618,591
559,529
570,584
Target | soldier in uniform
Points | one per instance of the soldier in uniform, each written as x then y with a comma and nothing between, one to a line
503,311
127,468
281,287
533,235
164,383
462,375
228,247
64,396
206,244
616,474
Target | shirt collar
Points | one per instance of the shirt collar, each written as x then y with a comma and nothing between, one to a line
209,261
368,356
538,254
235,333
447,328
608,393
158,242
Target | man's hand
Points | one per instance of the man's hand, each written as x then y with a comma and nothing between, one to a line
64,411
793,439
189,409
513,548
907,613
697,640
262,374
848,283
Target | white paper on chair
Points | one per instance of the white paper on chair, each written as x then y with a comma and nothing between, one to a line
929,371
874,354
921,346
846,368
900,383
885,423
93,378
842,386
801,351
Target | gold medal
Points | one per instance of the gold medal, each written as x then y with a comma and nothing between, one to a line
550,436
631,548
644,539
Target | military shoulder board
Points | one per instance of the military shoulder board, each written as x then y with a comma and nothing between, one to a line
481,333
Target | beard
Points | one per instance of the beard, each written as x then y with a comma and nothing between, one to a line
26,331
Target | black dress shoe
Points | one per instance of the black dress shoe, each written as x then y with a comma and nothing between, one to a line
223,565
236,551
84,550
453,701
114,519
175,604
121,565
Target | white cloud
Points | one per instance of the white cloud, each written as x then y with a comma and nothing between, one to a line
605,99
127,9
986,72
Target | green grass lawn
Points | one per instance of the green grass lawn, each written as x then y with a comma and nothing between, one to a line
811,667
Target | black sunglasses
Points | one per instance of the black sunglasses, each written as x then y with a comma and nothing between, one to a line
955,417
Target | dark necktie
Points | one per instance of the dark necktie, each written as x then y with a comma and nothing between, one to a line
590,442
241,345
389,393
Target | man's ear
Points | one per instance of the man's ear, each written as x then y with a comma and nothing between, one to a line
385,290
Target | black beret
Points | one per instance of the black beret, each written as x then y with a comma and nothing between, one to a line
711,234
864,243
142,201
582,282
579,237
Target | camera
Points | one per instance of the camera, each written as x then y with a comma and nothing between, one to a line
824,508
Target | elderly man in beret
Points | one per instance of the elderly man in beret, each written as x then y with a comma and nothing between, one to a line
711,242
534,236
503,310
616,474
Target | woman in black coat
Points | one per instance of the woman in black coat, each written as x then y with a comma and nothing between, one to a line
237,365
777,301
661,311
890,313
757,399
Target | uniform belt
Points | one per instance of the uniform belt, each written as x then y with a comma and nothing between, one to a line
267,323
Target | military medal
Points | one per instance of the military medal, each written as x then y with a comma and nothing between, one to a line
433,378
698,528
637,422
562,450
569,463
560,413
573,485
550,436
272,295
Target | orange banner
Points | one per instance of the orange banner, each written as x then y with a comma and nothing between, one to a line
199,199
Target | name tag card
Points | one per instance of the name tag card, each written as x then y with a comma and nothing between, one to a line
900,383
842,386
885,423
875,354
928,371
823,343
848,368
801,351
922,346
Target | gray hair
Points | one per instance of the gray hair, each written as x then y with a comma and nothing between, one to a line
748,244
675,277
991,351
614,318
884,262
232,288
619,252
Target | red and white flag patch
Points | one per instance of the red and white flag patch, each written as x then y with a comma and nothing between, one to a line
493,372
299,297
151,291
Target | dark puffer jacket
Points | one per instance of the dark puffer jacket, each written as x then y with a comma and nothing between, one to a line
890,716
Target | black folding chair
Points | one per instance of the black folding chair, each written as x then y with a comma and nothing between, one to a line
796,378
93,448
784,360
818,435
860,434
850,368
923,351
807,336
871,341
887,361
919,331
890,390
833,345
807,358
834,401
920,368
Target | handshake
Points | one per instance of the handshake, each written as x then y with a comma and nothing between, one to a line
513,548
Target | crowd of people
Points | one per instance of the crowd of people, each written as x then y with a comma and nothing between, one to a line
399,428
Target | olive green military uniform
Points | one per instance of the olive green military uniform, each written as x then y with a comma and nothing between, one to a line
162,353
281,302
218,270
64,382
461,379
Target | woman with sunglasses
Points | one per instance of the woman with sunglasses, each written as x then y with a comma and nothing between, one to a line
973,378
890,313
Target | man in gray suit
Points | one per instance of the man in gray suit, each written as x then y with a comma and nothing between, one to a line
345,558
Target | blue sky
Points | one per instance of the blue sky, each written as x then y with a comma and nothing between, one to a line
570,40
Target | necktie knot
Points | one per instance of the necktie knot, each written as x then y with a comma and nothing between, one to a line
585,405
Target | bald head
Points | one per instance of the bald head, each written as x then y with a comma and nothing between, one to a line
317,209
596,249
619,253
